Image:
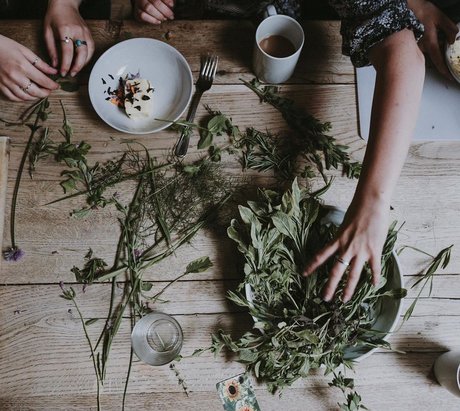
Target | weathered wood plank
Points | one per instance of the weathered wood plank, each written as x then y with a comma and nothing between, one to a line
321,60
186,297
319,398
50,357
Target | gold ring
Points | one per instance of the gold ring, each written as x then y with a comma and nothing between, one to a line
26,88
34,63
66,39
342,261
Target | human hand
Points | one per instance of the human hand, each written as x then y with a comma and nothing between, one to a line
23,76
153,11
63,25
435,21
360,239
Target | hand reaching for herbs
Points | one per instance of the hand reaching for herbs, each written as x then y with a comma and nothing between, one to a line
153,11
66,30
23,76
400,69
360,239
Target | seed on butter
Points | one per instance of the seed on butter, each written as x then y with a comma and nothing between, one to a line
138,98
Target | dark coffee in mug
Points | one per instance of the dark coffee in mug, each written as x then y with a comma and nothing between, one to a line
277,46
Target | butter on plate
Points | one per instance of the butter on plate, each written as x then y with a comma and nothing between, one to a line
138,98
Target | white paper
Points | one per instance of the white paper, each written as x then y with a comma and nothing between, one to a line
439,116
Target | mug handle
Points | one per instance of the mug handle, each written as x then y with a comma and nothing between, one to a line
270,10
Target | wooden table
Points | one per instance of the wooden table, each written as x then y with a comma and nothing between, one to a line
44,359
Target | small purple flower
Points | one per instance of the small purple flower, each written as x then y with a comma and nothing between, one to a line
61,284
137,253
13,254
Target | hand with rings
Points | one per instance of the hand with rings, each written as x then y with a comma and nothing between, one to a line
67,37
359,241
23,75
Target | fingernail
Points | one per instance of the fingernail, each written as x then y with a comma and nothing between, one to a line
327,298
73,74
345,298
63,73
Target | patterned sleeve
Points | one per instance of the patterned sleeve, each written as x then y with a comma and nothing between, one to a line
367,22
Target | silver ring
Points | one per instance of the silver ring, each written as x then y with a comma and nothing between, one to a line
26,88
66,39
342,261
79,43
34,63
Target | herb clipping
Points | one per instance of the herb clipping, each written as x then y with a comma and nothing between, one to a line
151,231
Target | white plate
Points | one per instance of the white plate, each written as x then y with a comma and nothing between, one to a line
166,69
389,310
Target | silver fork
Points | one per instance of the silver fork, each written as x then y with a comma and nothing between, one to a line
207,73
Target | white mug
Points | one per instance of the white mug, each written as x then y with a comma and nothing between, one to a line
277,69
447,371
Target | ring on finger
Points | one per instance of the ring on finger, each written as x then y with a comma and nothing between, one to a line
66,39
26,88
79,43
34,63
342,261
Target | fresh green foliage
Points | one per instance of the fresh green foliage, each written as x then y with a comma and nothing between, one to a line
320,149
442,260
295,330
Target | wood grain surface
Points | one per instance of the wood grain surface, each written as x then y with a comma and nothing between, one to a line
44,359
4,157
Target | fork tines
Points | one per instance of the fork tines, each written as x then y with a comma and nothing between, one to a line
209,66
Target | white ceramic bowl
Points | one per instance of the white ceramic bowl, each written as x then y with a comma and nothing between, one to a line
453,50
390,308
166,69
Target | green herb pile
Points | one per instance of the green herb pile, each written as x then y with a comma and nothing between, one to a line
295,330
161,204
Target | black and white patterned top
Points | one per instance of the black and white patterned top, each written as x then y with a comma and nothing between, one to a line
233,8
367,22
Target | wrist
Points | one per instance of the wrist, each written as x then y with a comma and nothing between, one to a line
372,199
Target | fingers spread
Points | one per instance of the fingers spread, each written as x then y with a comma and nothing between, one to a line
334,278
376,268
353,278
320,258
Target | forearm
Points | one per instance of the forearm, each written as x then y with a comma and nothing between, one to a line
400,74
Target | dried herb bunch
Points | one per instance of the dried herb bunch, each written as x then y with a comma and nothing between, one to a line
317,147
296,331
170,203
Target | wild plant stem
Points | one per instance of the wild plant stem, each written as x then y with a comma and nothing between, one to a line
92,353
34,128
